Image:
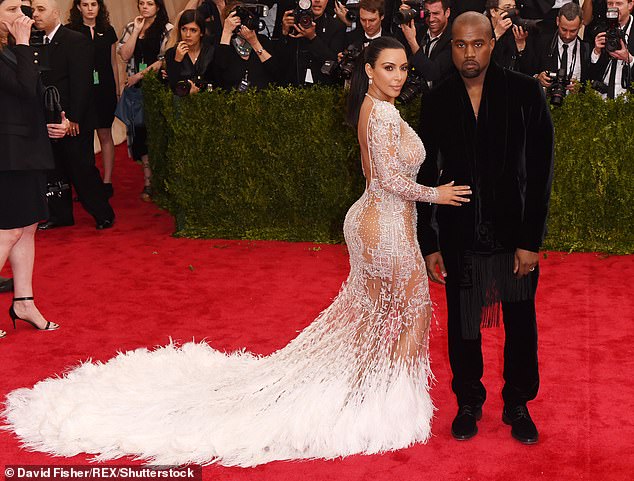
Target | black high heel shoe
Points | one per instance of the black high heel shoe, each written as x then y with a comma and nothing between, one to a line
14,316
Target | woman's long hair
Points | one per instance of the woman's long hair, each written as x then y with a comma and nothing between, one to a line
359,82
76,20
158,26
190,16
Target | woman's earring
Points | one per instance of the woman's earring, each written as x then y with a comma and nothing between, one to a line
370,81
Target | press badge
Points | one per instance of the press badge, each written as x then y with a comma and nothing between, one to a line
309,76
95,77
142,66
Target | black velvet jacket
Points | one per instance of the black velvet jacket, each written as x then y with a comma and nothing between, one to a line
506,156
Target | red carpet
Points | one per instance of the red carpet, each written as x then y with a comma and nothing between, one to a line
134,285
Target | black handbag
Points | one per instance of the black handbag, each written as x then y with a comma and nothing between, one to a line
52,107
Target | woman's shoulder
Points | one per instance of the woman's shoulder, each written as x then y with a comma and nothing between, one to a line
384,111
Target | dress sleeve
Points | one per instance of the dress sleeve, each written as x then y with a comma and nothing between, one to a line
384,137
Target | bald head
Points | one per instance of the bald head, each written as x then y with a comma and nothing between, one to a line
46,14
473,21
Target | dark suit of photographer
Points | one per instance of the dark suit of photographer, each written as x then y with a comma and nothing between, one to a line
369,24
615,68
513,44
306,49
564,50
70,69
431,56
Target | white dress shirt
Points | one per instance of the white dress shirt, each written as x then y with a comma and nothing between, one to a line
594,58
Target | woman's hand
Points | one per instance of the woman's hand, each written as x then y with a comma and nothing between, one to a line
503,25
520,37
20,29
139,22
181,50
193,89
57,131
249,35
341,12
134,79
231,23
450,194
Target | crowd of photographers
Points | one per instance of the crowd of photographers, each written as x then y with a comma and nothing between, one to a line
304,42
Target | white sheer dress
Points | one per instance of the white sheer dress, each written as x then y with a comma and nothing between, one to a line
355,380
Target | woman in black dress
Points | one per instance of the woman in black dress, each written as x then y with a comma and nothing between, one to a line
91,18
26,155
243,59
142,46
188,63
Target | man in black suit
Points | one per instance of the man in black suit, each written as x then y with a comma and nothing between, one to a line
431,57
70,69
489,128
615,67
564,50
369,24
306,49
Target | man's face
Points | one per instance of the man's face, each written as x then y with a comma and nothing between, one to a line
624,9
318,7
370,21
437,18
568,29
45,14
471,49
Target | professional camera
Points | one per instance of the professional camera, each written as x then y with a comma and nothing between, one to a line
183,87
250,15
344,67
613,34
558,83
599,86
353,10
414,85
416,11
303,13
513,14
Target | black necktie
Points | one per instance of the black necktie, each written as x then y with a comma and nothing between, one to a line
612,81
429,44
564,59
46,40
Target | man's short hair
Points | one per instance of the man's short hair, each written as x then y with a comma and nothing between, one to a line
373,6
570,10
445,3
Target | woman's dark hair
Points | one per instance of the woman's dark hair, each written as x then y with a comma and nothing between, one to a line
359,81
76,20
191,16
158,26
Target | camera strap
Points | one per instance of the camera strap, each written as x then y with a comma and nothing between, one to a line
574,59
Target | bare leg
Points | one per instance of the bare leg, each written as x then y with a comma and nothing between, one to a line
107,153
22,258
146,195
8,238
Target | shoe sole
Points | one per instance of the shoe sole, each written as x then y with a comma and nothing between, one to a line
527,441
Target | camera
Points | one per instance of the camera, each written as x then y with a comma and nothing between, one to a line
250,15
513,14
342,69
414,85
416,11
352,15
599,86
303,13
557,90
613,33
183,87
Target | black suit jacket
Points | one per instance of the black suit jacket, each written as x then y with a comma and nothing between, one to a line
357,37
70,69
438,65
506,156
546,56
23,136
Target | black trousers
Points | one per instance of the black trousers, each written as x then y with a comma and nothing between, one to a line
75,163
521,374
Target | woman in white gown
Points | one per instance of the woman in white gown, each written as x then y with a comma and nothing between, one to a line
356,380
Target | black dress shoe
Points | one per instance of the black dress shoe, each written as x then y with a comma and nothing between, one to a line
53,224
6,285
464,425
522,426
105,224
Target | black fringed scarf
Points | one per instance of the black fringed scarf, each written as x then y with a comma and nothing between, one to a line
486,271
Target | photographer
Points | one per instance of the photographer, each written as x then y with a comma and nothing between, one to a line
212,14
611,59
188,63
306,48
564,52
432,58
510,49
243,59
371,15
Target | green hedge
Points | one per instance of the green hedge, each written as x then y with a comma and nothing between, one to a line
282,164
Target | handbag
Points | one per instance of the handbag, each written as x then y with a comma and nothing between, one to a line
52,107
130,108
